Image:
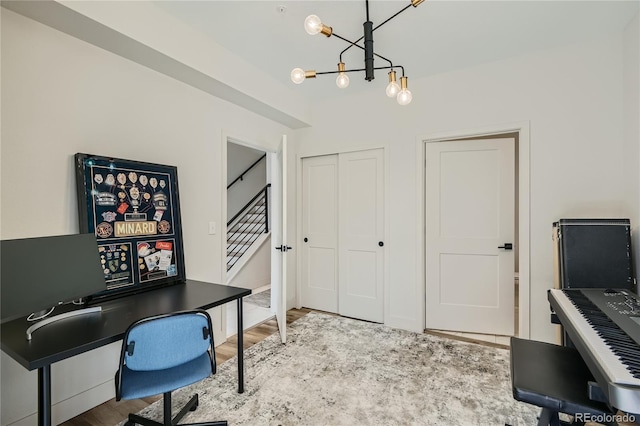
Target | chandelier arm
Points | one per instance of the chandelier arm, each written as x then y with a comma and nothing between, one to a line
352,43
349,47
356,70
358,46
392,16
383,58
375,54
376,27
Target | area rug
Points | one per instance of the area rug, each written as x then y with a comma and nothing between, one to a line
262,299
339,371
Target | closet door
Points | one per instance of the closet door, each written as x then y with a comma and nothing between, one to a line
361,235
319,287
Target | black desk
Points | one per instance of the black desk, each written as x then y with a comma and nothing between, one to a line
68,337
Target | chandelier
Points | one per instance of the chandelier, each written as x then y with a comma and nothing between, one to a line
313,25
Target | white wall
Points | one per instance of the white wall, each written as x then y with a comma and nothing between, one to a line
572,97
239,158
256,272
61,96
631,76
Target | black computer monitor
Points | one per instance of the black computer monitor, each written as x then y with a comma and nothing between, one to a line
40,273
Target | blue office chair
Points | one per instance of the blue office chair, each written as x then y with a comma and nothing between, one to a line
161,354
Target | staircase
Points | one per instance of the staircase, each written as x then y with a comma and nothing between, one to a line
247,226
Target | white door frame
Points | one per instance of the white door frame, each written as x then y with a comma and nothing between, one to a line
523,164
319,151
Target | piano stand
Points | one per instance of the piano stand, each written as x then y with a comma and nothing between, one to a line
596,393
554,378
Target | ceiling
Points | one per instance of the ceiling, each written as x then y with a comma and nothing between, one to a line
433,38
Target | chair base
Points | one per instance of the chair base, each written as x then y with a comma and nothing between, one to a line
135,419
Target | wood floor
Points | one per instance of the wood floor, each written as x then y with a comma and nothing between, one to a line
112,412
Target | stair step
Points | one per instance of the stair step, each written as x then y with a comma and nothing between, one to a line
256,223
233,246
259,222
244,235
244,232
240,241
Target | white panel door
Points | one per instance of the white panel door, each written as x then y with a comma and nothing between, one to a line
279,237
319,287
361,235
469,215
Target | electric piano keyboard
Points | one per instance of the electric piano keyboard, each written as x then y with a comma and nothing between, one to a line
604,325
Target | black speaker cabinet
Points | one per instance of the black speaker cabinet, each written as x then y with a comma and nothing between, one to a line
593,253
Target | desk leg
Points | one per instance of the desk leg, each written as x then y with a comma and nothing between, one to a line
44,396
240,349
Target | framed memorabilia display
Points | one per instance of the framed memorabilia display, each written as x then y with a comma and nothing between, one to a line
133,209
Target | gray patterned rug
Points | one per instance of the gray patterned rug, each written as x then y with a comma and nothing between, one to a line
339,371
262,299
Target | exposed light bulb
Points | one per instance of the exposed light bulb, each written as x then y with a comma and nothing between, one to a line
312,25
342,81
392,88
297,75
404,97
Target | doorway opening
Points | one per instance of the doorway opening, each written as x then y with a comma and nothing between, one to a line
247,245
519,132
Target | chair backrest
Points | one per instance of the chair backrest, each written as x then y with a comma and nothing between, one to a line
165,341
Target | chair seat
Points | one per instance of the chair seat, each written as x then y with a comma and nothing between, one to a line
140,384
553,377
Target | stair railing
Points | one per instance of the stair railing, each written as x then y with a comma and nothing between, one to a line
242,233
241,177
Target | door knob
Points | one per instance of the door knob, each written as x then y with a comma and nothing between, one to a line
306,239
380,243
506,246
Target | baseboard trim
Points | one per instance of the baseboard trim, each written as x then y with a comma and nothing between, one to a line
75,405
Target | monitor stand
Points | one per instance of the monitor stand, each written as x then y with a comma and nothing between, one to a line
59,317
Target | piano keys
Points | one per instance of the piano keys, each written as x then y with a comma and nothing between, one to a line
604,325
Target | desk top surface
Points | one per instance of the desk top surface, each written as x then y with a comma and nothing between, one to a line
68,337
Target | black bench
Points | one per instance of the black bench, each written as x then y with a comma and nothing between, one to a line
554,378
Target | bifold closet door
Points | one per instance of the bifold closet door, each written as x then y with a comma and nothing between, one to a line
320,233
361,235
342,234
